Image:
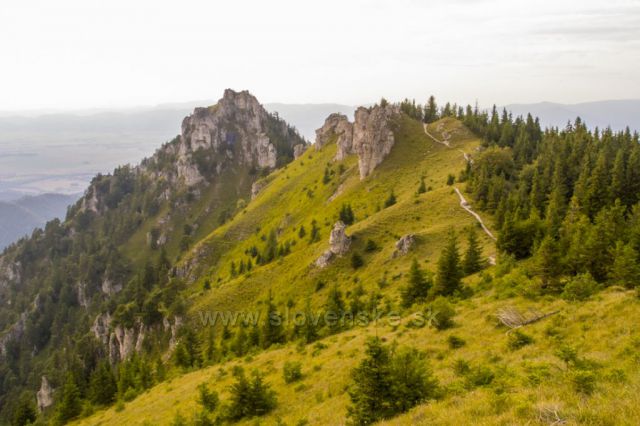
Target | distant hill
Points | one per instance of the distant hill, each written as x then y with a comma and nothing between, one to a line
616,114
19,218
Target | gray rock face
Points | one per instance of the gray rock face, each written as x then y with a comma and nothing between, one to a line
15,332
101,328
9,273
256,187
370,136
121,342
44,396
81,293
298,150
336,125
236,127
339,244
109,287
403,245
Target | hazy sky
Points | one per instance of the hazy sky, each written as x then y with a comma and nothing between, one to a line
89,53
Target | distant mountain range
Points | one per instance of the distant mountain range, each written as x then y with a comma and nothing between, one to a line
615,114
20,217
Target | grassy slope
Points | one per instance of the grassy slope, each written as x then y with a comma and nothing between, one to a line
525,379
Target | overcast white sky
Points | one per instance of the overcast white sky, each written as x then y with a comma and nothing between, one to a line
86,53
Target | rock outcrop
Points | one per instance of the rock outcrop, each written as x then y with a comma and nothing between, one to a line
336,126
370,136
101,328
9,273
256,187
81,294
404,244
14,333
299,149
339,243
236,129
44,396
110,287
120,341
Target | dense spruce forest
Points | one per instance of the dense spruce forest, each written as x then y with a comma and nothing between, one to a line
565,203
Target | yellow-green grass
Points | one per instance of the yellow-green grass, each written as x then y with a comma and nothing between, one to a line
284,205
528,381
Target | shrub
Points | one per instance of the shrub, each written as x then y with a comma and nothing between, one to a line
179,420
451,179
461,367
518,339
292,371
356,260
480,376
581,287
202,418
455,342
442,313
208,399
387,383
584,382
391,200
250,397
370,246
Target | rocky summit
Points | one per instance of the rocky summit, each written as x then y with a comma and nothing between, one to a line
370,136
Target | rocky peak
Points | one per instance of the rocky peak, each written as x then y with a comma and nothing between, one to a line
370,136
235,130
336,125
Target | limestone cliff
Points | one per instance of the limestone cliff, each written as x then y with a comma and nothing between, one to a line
370,136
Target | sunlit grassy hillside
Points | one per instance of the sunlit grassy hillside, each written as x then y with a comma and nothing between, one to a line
486,380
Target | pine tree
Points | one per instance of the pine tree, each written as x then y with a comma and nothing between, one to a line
448,279
25,411
431,110
70,404
272,329
473,256
102,385
422,188
625,270
302,232
346,214
271,248
315,232
327,176
250,398
310,327
371,395
239,343
209,349
391,200
618,178
335,307
547,263
411,381
418,287
599,194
